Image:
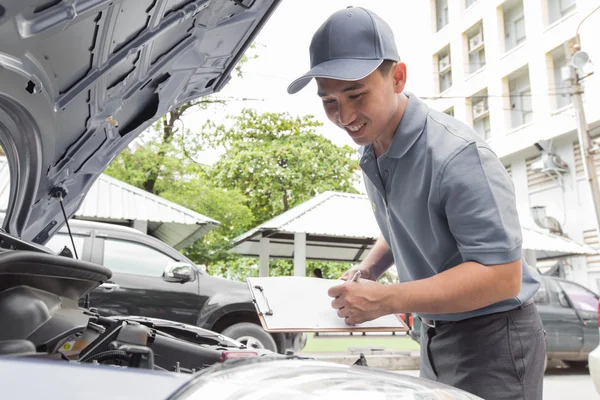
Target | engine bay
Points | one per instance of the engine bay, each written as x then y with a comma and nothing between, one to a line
40,317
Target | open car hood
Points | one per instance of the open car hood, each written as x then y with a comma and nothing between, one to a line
80,79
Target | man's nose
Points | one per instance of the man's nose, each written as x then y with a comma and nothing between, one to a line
346,114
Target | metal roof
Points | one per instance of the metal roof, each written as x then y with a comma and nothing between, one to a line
342,227
112,200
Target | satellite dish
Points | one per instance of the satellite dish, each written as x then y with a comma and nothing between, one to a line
580,59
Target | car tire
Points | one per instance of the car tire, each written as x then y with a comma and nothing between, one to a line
251,335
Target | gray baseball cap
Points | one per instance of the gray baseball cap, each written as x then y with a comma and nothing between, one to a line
349,46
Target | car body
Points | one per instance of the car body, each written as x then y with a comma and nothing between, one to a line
569,314
140,285
259,378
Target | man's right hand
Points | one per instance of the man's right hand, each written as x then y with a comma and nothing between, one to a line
365,273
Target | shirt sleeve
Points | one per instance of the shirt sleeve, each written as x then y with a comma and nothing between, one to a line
477,196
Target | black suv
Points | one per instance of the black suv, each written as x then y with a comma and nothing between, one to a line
152,279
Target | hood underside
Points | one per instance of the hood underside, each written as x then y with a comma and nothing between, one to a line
80,79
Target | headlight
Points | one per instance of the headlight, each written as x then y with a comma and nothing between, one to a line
293,379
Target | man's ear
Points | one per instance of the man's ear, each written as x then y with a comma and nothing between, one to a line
399,72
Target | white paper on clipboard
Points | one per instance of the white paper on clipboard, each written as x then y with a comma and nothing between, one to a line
293,303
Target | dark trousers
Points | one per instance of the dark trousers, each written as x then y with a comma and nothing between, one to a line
496,356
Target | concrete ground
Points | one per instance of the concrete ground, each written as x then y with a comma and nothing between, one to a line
559,384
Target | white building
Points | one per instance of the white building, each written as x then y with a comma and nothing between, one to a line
497,67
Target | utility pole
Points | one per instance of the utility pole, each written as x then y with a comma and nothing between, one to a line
573,52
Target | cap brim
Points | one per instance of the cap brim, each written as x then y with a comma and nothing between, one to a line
340,69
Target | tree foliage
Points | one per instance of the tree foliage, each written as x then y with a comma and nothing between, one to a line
272,162
278,161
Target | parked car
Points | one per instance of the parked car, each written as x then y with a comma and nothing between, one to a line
569,314
150,278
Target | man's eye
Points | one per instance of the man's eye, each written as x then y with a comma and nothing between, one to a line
328,101
356,96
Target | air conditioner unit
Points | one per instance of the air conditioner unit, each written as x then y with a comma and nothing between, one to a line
444,63
480,109
476,42
550,162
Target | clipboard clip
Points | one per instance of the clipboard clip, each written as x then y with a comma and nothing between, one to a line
269,311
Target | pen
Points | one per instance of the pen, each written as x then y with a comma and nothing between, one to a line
355,276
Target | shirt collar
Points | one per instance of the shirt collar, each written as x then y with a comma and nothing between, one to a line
410,128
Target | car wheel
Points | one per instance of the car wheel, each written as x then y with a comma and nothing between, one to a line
252,335
576,364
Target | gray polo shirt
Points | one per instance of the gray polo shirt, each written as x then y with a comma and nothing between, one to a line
441,197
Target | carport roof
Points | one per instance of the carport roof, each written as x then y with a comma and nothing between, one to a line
341,227
112,200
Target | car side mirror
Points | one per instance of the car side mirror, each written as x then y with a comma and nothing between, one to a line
178,272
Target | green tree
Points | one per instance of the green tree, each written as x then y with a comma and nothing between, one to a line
278,161
164,164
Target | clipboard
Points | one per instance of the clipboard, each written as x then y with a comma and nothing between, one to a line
299,304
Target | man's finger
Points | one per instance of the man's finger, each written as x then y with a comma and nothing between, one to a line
343,313
348,274
336,291
337,303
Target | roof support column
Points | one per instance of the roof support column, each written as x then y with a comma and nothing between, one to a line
530,257
141,226
263,270
300,254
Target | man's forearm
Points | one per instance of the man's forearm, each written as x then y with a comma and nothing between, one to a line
379,259
464,288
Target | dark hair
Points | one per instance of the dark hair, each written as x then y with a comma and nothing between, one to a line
318,273
386,66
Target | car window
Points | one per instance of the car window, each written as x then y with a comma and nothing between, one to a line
582,299
556,295
541,296
134,258
60,240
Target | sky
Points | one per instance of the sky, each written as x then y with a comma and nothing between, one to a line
283,56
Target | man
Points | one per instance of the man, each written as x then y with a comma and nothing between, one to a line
447,213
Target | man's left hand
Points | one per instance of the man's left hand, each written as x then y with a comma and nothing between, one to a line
360,301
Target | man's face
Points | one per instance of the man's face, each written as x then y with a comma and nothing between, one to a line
365,109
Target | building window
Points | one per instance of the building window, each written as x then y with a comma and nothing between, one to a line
521,109
514,24
450,111
444,69
579,170
558,9
558,87
476,48
441,12
481,115
469,3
